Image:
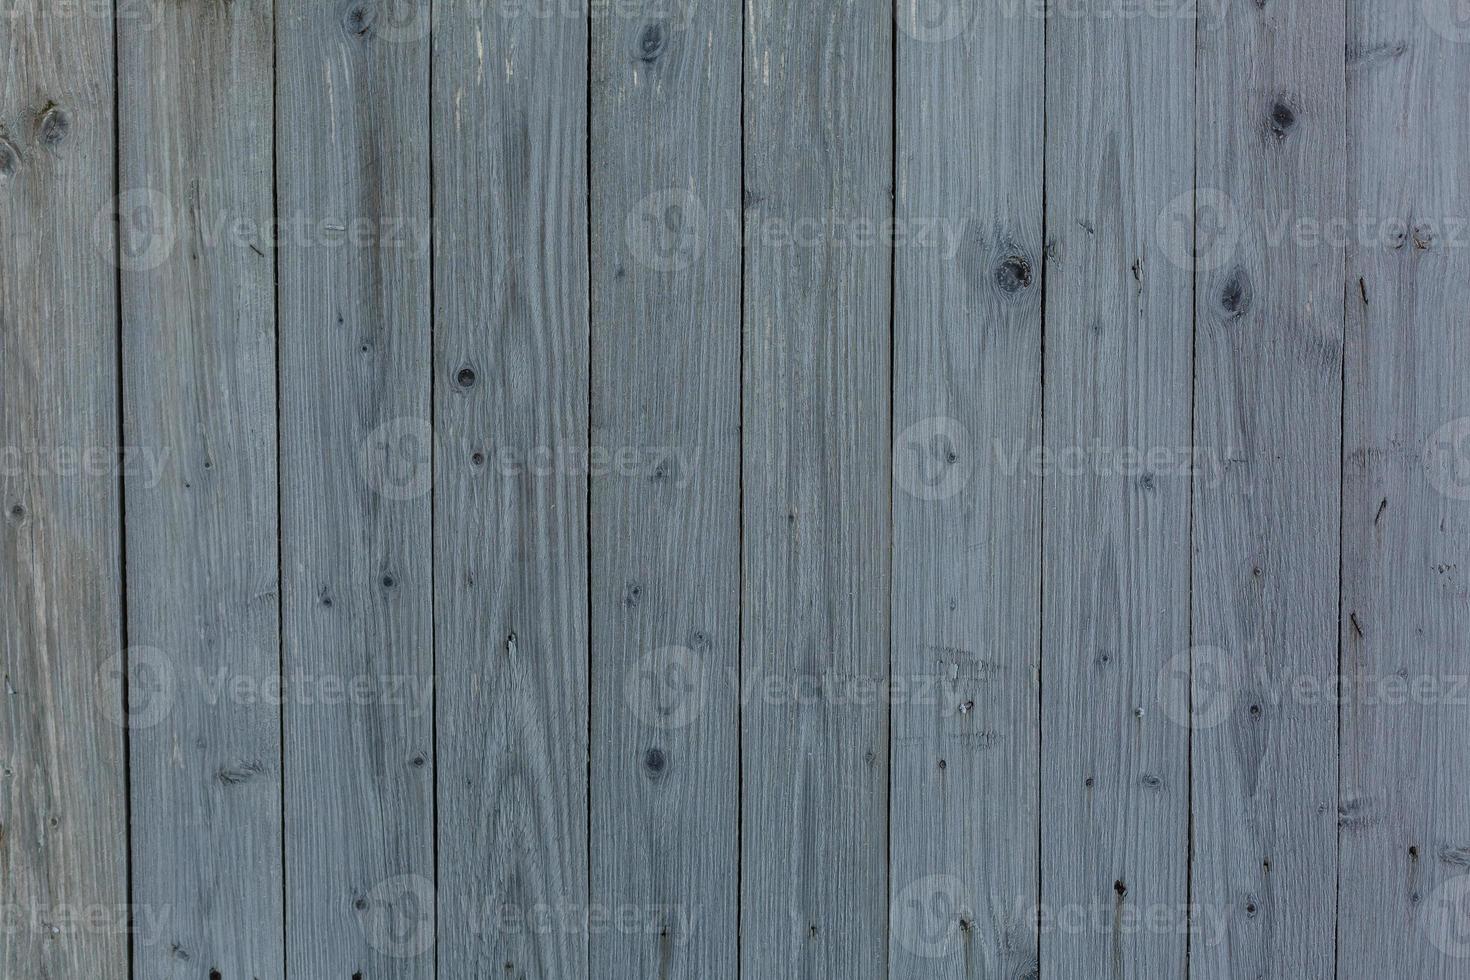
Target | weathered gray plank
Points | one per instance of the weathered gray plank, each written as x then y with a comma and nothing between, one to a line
1115,793
1268,378
199,372
818,172
966,574
1405,810
63,844
353,178
665,160
511,349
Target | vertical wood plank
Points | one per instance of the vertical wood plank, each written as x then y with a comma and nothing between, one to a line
1268,406
62,764
353,188
818,169
966,569
199,346
1405,813
1115,791
665,159
511,363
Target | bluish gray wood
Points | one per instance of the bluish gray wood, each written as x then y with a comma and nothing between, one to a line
511,336
353,175
1268,403
665,161
199,354
966,574
1115,790
818,171
63,831
1405,806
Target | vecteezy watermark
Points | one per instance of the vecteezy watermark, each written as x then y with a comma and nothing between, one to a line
1199,229
487,919
145,14
396,459
142,464
1444,918
1450,19
673,14
397,916
674,465
667,688
136,687
1447,459
147,226
938,21
148,923
936,458
928,917
394,21
1203,687
1106,917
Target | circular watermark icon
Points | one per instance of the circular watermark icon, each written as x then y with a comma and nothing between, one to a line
667,688
1196,687
148,695
1445,918
394,21
931,458
1450,19
397,916
141,223
396,458
1199,230
666,230
928,915
933,21
1447,459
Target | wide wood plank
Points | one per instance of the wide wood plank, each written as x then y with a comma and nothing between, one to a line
818,172
199,352
356,468
966,569
1268,390
1115,790
63,834
1405,811
511,349
665,161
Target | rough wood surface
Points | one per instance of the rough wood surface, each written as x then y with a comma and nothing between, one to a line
199,379
511,350
1115,774
353,176
63,828
665,584
814,798
1268,414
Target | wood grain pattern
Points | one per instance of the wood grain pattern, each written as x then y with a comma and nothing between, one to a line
1404,813
511,349
966,575
814,798
1268,403
199,366
665,586
356,467
63,829
1115,774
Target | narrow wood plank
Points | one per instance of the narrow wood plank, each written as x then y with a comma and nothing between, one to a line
818,172
1115,790
966,570
63,843
665,161
353,182
511,349
1405,813
1268,417
199,353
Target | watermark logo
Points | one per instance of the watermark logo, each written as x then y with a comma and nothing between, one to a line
393,21
1196,687
396,458
1445,920
1199,229
1450,19
1447,459
931,459
666,230
141,222
933,21
667,688
928,915
397,916
152,686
